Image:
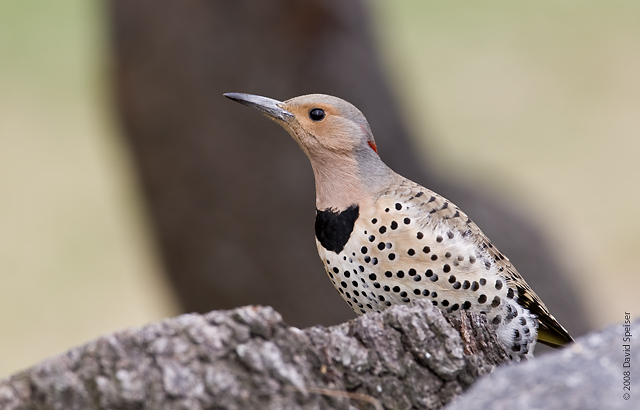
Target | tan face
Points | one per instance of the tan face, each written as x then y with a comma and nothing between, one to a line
337,139
325,123
327,128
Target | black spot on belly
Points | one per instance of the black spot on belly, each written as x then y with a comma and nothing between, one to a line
333,228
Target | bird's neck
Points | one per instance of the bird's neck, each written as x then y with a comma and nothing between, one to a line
340,184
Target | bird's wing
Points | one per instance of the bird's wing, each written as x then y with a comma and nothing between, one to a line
550,331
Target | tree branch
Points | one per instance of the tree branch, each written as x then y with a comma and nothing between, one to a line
407,356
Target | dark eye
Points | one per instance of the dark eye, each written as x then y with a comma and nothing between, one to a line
317,114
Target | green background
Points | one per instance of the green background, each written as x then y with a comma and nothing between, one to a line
538,103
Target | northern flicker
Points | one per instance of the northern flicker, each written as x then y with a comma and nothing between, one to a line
386,240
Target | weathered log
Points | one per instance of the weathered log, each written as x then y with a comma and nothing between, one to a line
588,375
248,358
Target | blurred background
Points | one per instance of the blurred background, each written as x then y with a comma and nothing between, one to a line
130,190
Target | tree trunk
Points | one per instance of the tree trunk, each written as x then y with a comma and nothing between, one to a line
231,196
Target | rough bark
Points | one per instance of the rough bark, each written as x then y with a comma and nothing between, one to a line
230,195
248,358
586,376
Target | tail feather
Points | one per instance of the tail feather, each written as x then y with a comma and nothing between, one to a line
553,338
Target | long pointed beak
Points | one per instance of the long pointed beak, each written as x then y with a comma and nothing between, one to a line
265,105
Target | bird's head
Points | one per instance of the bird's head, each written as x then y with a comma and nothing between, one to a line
321,124
333,133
